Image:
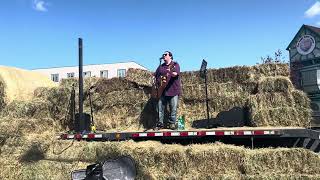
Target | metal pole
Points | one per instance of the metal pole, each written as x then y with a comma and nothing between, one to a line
81,120
207,99
252,145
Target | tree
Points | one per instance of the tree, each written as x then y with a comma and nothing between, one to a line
278,58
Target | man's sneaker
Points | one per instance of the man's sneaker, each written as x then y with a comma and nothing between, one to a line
159,126
173,126
167,125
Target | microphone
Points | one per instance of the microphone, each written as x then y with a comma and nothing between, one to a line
160,60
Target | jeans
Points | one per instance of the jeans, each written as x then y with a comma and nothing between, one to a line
173,104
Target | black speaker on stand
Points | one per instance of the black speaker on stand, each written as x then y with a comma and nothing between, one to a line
82,120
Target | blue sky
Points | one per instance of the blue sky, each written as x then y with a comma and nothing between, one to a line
44,33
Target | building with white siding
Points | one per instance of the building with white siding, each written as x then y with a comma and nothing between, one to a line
95,70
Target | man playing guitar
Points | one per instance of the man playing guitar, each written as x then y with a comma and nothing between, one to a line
168,76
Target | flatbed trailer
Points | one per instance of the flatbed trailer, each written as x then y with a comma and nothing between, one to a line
253,137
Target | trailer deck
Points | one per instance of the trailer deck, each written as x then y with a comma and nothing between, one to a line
247,136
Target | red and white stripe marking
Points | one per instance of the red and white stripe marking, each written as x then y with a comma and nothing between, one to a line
119,136
80,136
203,133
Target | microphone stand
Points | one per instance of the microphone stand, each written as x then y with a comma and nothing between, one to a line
157,105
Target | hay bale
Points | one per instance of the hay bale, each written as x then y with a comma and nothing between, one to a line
155,160
57,99
105,86
87,82
274,84
115,98
220,102
191,77
300,98
17,127
270,69
271,100
281,161
268,176
140,77
19,84
196,109
281,116
164,161
196,92
119,117
295,99
237,74
287,108
24,109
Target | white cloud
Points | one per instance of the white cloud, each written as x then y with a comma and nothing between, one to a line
313,11
40,5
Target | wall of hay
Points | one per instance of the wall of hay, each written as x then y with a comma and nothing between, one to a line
125,103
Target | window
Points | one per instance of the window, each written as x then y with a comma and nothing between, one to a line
70,75
121,72
55,77
87,74
104,73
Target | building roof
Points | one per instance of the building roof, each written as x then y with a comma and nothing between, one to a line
314,29
93,65
311,28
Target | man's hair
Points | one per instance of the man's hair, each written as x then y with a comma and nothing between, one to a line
170,54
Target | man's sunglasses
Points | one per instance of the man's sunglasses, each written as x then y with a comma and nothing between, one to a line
165,55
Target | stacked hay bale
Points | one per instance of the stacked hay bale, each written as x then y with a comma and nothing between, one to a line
125,103
118,103
265,89
277,103
227,88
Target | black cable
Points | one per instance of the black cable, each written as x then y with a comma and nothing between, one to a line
91,107
53,151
